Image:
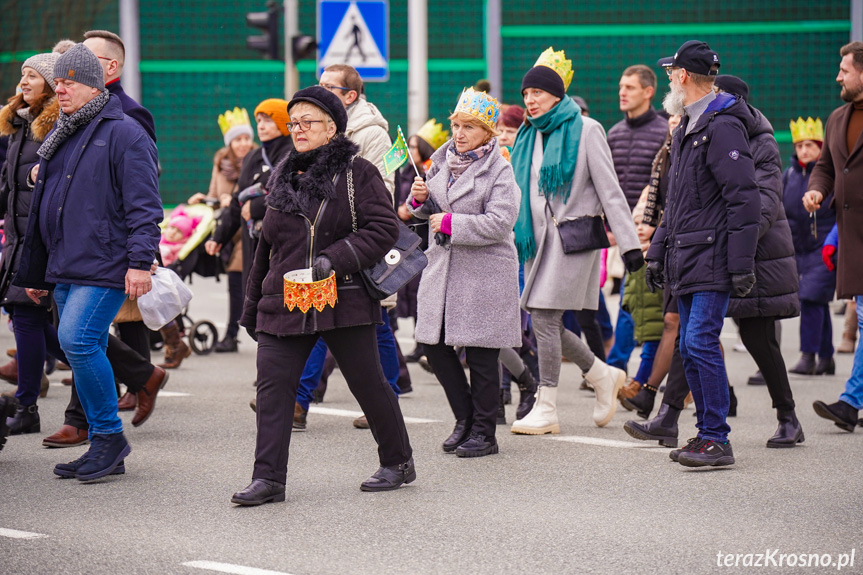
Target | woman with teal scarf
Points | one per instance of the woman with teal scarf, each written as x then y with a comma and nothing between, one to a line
563,167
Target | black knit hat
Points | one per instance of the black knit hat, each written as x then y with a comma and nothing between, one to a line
544,78
326,101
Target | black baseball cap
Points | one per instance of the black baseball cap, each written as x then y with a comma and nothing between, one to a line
693,56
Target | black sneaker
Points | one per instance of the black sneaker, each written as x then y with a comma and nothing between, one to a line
477,445
69,470
708,453
690,443
8,405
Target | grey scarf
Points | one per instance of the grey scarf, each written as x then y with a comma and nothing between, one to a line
67,125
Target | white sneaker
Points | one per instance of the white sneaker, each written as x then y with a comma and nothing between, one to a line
606,381
542,418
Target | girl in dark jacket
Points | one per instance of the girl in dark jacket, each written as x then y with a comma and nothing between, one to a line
27,119
309,224
817,283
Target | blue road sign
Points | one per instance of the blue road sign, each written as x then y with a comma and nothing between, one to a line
355,33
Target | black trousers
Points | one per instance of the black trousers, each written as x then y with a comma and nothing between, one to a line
280,364
129,366
235,303
759,336
676,388
136,335
477,401
592,334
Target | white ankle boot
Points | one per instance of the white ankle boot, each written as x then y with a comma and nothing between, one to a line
606,381
543,417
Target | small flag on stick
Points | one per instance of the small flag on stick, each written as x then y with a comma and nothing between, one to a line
396,156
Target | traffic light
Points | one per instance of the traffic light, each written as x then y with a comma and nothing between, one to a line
303,47
268,42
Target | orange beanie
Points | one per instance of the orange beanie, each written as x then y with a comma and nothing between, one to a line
278,110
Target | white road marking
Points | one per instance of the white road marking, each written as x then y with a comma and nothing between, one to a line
598,441
164,393
229,568
348,413
15,534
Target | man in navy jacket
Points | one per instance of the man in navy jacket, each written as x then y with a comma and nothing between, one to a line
92,236
705,246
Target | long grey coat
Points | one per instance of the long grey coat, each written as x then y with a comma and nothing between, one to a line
553,279
472,282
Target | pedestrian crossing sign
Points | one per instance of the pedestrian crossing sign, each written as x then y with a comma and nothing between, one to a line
355,33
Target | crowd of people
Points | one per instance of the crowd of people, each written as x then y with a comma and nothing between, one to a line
524,212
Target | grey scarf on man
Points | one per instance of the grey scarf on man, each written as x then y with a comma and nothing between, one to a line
67,125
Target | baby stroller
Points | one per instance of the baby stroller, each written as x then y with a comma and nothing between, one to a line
193,258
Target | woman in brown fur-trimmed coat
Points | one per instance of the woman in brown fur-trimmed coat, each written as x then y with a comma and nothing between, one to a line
26,119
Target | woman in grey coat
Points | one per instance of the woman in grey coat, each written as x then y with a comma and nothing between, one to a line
564,168
468,294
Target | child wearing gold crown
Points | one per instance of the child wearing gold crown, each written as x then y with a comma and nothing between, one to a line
564,168
817,282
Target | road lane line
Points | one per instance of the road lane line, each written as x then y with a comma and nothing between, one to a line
15,534
164,393
230,568
348,413
599,442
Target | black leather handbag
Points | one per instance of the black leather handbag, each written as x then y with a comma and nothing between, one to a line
581,234
401,264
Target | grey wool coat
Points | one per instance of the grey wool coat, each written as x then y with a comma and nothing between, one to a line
471,283
553,279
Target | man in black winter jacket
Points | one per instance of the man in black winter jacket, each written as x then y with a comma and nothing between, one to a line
705,246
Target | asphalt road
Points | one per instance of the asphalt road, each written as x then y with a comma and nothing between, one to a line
588,500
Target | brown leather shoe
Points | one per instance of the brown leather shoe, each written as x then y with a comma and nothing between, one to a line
9,372
63,367
300,417
628,391
127,402
68,436
147,396
67,381
361,422
11,352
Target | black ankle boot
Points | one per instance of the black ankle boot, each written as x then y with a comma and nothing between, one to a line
662,428
789,433
459,435
825,366
25,420
8,406
643,401
526,393
501,412
840,413
806,365
732,402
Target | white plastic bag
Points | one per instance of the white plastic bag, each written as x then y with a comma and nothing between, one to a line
165,301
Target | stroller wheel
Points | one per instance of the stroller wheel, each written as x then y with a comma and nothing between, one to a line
203,337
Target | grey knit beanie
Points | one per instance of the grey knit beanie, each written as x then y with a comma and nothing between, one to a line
44,66
81,65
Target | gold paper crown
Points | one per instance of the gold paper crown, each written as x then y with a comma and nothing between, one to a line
479,105
807,130
557,61
433,133
232,118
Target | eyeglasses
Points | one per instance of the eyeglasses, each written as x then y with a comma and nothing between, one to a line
670,71
331,87
104,58
302,125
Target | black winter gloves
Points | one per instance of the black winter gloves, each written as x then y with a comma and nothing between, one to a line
633,260
653,276
322,268
742,284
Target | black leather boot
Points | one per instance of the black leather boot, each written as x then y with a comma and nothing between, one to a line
732,402
789,433
526,393
258,492
643,401
840,413
501,411
662,428
389,478
806,365
8,406
825,366
460,434
25,420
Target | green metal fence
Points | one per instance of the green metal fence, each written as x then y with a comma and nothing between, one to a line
195,63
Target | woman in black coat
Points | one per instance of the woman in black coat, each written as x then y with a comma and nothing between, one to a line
26,120
308,224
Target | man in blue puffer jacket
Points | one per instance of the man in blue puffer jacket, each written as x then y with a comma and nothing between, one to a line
706,243
92,236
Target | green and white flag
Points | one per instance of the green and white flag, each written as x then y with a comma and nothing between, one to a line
396,157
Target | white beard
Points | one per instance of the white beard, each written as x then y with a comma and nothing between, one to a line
673,101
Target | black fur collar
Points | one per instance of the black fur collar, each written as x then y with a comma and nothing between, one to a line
292,192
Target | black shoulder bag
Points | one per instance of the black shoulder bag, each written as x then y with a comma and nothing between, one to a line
581,234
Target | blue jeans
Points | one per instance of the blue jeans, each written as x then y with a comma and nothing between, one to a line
701,317
648,354
853,395
86,313
315,364
624,337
